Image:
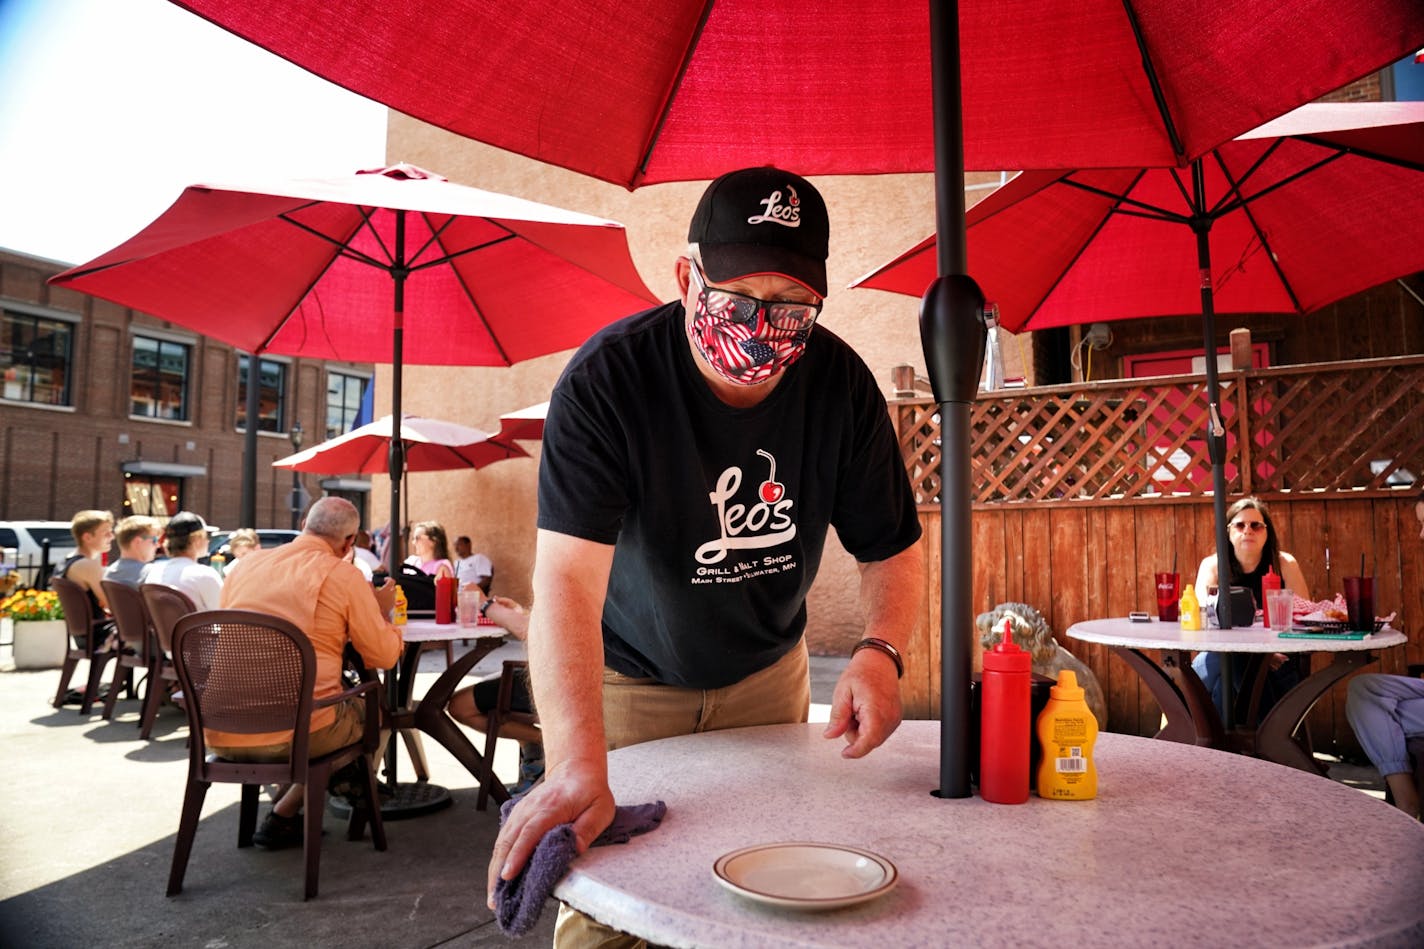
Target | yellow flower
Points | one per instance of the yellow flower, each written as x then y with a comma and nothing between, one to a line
26,605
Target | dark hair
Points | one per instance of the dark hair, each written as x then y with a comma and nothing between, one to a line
1270,553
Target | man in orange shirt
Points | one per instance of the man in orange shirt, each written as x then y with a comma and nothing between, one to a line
311,583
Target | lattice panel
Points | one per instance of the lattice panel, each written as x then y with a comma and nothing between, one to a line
1332,427
1359,427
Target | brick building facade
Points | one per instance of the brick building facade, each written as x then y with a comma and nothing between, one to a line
102,407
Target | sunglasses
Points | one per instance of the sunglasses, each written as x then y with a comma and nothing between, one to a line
1247,525
732,307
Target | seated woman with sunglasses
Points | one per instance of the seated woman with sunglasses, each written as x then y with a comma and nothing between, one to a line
1255,550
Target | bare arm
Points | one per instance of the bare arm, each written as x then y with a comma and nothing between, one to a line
1292,577
865,706
509,615
1206,577
566,668
88,573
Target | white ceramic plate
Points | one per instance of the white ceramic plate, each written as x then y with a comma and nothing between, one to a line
805,875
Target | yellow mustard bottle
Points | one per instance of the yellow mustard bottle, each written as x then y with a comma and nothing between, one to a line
398,615
1066,733
1188,609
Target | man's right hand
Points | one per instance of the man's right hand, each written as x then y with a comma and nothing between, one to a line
572,792
386,597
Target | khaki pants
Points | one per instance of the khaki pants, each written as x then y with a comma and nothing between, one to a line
638,710
348,727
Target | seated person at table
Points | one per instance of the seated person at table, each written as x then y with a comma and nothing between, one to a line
1255,549
309,583
185,538
93,533
138,545
1386,711
432,550
363,552
470,567
470,706
241,543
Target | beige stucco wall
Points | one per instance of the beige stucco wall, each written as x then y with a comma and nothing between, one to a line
872,220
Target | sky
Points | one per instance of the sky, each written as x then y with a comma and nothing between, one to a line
109,108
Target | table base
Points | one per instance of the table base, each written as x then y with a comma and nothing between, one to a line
411,799
1192,718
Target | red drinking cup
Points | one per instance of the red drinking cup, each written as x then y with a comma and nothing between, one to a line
1168,592
1360,603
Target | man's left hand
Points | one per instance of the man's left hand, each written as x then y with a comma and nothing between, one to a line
865,706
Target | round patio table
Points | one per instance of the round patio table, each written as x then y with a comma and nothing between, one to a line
1184,846
1190,714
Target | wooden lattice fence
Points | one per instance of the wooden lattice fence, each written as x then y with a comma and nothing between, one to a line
1082,492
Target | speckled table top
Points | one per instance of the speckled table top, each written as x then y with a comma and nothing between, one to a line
1183,846
1155,634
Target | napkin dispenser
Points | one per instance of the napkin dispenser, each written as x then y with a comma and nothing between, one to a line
1240,603
1039,686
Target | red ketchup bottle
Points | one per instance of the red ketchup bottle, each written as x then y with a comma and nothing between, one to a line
445,599
1271,581
1004,723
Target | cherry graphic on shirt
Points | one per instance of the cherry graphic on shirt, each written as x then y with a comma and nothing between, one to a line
771,490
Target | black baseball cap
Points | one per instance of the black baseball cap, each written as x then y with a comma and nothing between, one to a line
183,525
762,220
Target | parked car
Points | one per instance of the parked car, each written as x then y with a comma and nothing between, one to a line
270,537
21,548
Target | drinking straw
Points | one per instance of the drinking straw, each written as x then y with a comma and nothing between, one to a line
1362,563
1174,561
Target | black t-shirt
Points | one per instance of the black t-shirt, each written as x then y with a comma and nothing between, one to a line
718,515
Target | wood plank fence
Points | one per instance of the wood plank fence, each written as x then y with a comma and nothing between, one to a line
1083,492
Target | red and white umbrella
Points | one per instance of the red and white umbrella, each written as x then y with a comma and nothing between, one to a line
527,423
430,445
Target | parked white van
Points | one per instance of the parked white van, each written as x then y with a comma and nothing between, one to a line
21,546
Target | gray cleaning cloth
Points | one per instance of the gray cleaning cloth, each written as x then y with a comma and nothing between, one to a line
518,902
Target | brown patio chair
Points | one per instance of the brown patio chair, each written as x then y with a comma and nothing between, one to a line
140,650
502,721
79,617
166,605
247,673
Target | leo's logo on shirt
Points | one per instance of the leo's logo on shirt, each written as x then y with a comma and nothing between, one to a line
766,523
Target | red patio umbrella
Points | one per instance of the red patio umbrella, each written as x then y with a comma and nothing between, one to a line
334,268
687,89
430,445
672,90
1312,207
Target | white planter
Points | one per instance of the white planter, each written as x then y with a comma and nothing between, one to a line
41,644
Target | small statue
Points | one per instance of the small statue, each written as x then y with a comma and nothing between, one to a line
1032,632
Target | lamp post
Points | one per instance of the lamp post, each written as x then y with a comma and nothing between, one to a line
296,436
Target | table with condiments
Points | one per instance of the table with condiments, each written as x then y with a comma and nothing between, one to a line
1137,865
427,715
1191,715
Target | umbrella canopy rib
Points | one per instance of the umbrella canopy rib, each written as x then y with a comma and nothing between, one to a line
1149,72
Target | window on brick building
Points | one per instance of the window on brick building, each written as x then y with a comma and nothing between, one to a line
35,358
271,394
158,386
343,401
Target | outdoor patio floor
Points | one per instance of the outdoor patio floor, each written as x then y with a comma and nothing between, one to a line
91,813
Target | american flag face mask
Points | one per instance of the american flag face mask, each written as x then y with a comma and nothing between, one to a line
747,351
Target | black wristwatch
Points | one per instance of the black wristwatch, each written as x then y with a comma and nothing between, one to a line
484,607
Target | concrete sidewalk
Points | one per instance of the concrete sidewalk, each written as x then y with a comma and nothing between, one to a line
90,814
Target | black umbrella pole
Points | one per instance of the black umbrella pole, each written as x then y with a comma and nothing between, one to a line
1215,436
953,334
249,444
